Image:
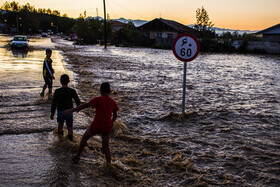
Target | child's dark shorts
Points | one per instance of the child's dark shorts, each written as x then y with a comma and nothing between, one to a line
48,81
61,118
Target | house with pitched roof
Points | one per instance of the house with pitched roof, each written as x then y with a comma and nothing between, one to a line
116,25
163,32
271,34
270,41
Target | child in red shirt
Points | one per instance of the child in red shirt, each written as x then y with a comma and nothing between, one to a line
103,121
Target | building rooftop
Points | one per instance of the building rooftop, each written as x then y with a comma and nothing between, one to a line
275,29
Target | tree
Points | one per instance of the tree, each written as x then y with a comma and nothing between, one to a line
84,31
28,8
12,6
203,22
55,13
49,11
28,21
42,11
129,36
205,31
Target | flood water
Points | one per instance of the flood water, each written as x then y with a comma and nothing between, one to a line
229,137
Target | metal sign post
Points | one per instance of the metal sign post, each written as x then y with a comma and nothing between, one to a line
185,48
184,89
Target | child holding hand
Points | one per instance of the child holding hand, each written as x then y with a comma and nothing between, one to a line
102,123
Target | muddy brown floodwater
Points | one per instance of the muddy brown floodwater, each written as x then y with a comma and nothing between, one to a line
230,136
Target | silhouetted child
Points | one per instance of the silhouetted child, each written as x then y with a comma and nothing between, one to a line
47,73
103,121
63,100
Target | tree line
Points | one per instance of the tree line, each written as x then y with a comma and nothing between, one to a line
29,20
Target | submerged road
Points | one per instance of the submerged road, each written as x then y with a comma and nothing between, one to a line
22,110
26,131
230,136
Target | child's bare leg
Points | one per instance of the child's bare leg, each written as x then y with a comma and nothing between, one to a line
83,142
43,91
60,129
106,149
70,133
50,91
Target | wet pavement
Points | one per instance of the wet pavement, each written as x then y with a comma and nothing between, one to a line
21,83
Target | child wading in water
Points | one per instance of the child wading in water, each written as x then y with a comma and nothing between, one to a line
63,100
47,73
103,121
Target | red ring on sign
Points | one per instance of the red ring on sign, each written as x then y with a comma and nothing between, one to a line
174,44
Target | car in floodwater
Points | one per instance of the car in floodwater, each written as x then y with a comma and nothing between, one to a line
20,42
44,34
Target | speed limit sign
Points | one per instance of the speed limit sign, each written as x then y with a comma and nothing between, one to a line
185,47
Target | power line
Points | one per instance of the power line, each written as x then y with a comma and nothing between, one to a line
128,9
113,14
111,9
78,9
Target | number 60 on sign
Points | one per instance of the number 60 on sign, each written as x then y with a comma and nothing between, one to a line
185,47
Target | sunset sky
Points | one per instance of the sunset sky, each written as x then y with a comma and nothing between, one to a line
230,14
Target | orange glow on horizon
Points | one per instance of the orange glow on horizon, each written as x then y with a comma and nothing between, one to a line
231,14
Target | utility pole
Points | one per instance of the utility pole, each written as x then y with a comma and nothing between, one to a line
99,38
17,24
105,32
